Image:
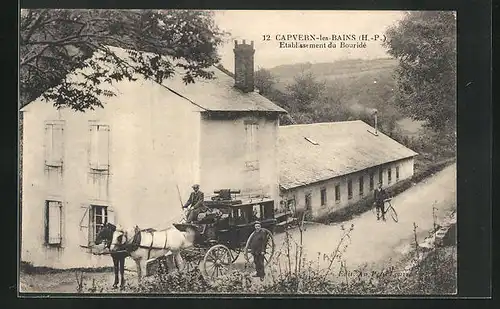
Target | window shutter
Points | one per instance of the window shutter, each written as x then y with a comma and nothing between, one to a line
111,216
54,222
84,225
93,155
57,145
103,147
48,143
252,146
99,147
54,144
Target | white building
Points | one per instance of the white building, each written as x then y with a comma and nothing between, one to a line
125,163
328,166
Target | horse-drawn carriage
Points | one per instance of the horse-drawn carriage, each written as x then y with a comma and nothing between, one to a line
225,230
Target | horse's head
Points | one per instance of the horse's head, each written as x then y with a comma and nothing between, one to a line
105,234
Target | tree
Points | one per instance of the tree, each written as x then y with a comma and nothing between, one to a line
425,44
55,42
303,92
264,81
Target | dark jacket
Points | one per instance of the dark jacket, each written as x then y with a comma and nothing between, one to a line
380,196
195,199
258,242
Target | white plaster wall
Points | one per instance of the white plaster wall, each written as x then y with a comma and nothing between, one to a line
153,148
222,148
298,194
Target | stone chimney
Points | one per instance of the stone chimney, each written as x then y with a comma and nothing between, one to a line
376,122
244,66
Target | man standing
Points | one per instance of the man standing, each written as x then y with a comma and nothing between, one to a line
380,196
196,202
257,246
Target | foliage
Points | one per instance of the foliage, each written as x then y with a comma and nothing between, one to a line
55,42
303,93
264,81
425,44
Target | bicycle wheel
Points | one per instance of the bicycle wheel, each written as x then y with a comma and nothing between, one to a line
393,213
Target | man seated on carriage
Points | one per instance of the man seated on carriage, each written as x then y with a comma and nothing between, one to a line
196,202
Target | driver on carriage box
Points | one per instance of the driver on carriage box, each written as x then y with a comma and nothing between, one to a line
196,202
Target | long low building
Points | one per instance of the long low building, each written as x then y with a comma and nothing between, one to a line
328,166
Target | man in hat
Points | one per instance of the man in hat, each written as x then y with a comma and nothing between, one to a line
196,202
380,196
257,245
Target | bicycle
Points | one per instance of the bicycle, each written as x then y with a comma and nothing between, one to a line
389,209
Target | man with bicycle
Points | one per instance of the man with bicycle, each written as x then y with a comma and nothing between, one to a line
380,196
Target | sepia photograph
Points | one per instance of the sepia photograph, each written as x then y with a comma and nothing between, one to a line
255,152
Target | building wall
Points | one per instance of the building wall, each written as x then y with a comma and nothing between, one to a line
317,210
151,153
224,155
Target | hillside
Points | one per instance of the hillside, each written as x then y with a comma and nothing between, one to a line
348,70
354,86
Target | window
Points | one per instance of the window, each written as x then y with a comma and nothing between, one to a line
323,196
361,185
99,218
251,138
381,177
349,189
371,181
54,143
389,175
99,147
257,213
53,222
290,205
397,173
337,193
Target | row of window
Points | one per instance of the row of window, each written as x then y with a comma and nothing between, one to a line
97,218
98,145
361,182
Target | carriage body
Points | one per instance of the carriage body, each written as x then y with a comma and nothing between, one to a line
235,225
231,229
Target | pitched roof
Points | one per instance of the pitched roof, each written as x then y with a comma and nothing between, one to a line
320,151
218,94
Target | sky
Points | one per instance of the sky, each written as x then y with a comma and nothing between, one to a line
253,25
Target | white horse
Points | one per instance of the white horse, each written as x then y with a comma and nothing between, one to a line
143,245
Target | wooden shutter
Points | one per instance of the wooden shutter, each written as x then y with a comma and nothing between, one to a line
103,147
54,144
99,147
84,225
251,131
54,224
111,218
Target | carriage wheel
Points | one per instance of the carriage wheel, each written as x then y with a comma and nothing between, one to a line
235,253
217,261
269,251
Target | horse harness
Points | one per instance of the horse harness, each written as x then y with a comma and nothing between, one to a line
136,241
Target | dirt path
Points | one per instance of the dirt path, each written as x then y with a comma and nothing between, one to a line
374,242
